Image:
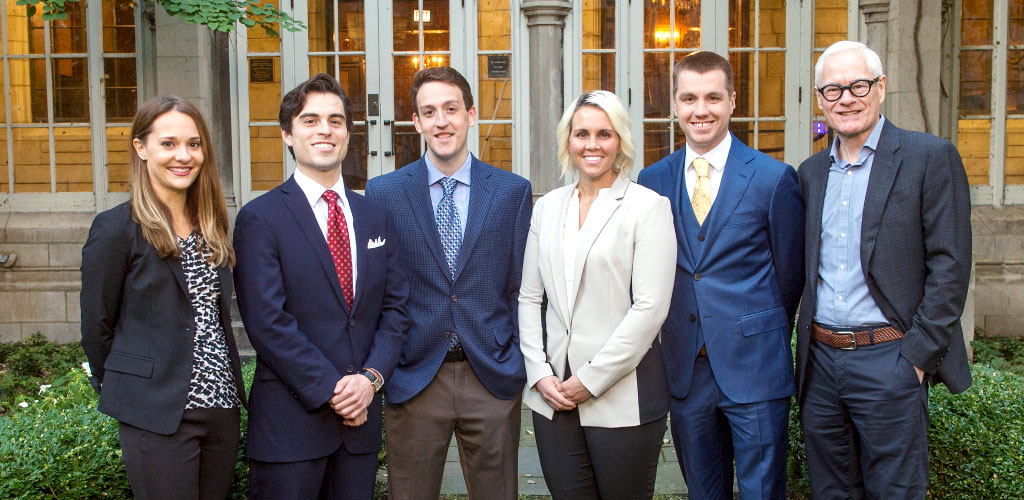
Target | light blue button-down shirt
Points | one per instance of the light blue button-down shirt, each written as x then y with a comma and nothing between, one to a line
461,195
843,296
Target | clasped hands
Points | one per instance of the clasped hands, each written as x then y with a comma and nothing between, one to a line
352,396
562,396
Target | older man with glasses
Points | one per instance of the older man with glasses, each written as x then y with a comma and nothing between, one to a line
888,253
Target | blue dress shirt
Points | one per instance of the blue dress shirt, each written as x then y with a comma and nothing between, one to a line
461,195
843,296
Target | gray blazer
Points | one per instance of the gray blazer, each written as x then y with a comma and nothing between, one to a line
915,249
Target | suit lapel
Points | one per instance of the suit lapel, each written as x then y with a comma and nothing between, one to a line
296,202
360,223
735,179
815,199
479,207
418,193
597,219
676,183
553,238
883,173
174,263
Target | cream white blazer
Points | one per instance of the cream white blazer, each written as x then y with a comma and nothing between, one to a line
622,285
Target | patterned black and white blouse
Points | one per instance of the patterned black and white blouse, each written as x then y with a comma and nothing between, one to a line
212,384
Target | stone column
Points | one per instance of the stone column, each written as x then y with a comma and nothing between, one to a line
876,17
545,23
914,64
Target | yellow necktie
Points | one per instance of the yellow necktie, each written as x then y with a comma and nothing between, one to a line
701,200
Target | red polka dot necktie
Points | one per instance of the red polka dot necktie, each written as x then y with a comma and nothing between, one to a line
337,241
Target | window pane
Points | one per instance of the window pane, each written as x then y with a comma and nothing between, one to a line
258,40
744,131
496,144
21,91
975,82
120,89
351,76
353,167
266,161
773,23
494,97
657,85
407,145
976,22
973,143
1015,82
829,22
436,32
743,81
264,96
598,24
118,158
70,90
5,187
495,26
599,72
406,19
18,26
32,160
688,23
772,84
1015,151
73,159
1016,34
656,24
656,142
118,26
321,25
67,36
771,139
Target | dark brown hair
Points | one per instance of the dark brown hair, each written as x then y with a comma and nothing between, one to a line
703,62
295,100
440,74
204,199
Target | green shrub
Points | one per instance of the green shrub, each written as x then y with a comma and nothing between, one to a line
1001,353
27,364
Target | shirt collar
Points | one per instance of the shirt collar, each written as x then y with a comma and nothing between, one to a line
314,191
461,175
716,157
870,145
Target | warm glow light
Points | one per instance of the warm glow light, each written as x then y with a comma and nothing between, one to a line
661,36
416,15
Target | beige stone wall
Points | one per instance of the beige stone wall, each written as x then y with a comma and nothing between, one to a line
999,269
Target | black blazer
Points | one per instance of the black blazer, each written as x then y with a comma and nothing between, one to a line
915,249
138,324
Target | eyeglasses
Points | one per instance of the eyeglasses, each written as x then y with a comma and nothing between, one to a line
858,88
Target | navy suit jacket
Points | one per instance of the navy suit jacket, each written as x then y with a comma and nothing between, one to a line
738,277
481,303
305,338
915,249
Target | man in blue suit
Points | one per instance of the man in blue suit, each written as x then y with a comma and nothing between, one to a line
462,225
322,293
739,223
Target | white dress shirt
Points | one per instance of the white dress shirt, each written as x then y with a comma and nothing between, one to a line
314,195
717,158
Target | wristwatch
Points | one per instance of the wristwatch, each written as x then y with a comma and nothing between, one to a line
375,381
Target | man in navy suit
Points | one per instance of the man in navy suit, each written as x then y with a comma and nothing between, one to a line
462,225
322,293
739,224
888,263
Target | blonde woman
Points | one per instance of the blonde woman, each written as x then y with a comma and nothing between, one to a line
156,326
602,251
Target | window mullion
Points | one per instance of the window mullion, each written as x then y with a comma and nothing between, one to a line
997,130
51,102
97,110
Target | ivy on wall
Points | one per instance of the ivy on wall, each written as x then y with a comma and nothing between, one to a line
218,15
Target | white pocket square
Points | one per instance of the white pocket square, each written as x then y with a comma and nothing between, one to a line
374,243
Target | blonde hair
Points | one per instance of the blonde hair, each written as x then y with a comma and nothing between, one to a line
204,200
617,115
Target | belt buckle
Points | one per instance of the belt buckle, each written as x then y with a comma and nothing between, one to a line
853,340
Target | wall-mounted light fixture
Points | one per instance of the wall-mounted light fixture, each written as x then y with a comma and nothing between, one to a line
421,14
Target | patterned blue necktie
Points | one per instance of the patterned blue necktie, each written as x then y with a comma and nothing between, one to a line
447,217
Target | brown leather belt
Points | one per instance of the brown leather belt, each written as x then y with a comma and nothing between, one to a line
850,340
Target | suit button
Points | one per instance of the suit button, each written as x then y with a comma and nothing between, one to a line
454,298
700,237
696,276
349,368
693,318
351,322
447,335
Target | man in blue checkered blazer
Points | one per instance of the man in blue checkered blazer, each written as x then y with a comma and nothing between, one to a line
462,226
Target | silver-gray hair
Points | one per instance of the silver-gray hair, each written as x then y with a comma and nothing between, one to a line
617,115
871,58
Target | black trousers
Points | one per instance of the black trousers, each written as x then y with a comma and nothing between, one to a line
865,422
597,463
195,463
338,476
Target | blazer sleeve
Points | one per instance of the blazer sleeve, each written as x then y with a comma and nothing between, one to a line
786,236
104,267
522,229
531,294
946,224
393,325
275,333
654,260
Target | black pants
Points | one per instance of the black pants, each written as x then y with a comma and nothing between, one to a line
197,462
865,421
595,463
338,476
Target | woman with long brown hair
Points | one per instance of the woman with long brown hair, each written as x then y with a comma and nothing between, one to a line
156,325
